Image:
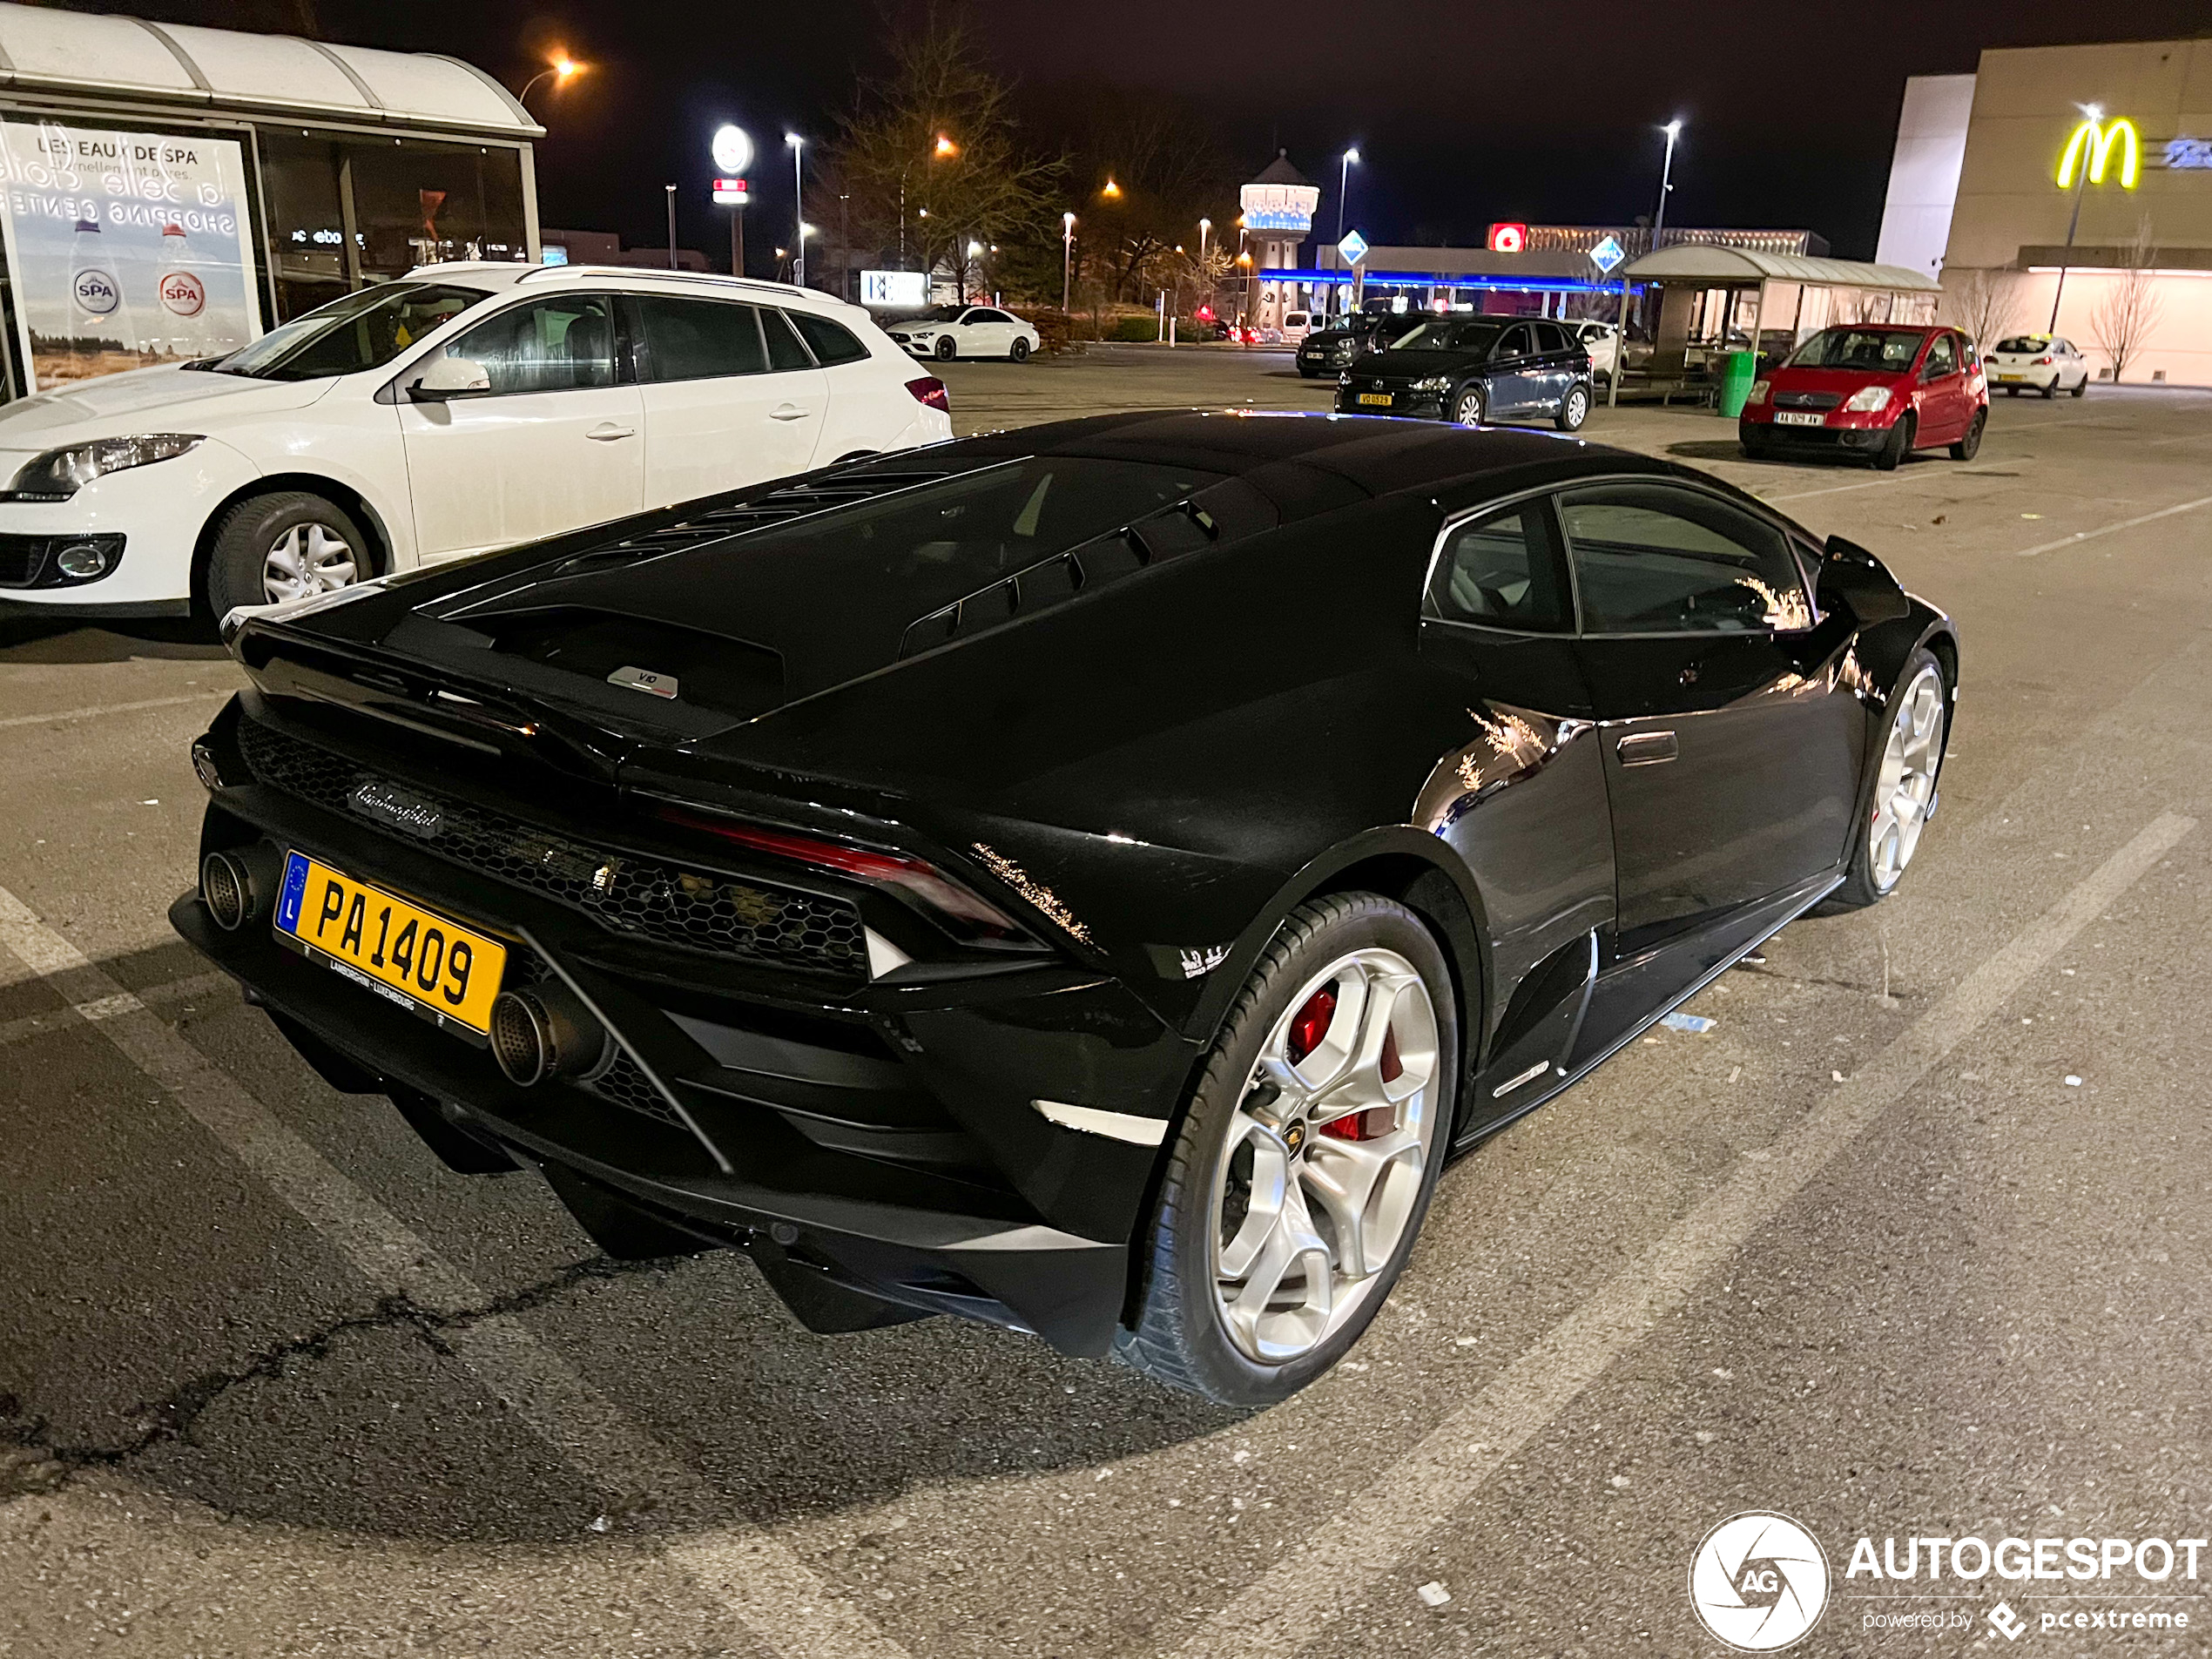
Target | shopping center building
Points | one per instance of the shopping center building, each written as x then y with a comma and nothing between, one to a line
2067,190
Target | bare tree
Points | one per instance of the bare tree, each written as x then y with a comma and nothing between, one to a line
1981,299
2128,313
930,159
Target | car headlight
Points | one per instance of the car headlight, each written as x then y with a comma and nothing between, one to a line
1867,400
1759,390
59,474
1434,383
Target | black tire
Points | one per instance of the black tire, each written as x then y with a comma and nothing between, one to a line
251,530
1178,1336
1470,407
1754,447
1860,887
946,349
1968,447
1306,374
1897,446
2079,387
2052,390
1573,408
2011,391
1018,352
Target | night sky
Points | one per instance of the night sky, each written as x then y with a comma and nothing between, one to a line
1542,113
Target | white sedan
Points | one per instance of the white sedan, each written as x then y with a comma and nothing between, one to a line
463,407
946,332
2045,363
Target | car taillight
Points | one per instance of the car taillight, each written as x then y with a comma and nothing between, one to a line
930,390
2042,363
969,915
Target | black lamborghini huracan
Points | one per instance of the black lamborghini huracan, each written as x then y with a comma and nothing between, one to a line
1087,878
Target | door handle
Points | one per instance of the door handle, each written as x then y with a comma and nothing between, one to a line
789,412
607,432
1648,748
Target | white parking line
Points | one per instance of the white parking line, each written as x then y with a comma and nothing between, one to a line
2107,530
99,709
1332,1569
785,1605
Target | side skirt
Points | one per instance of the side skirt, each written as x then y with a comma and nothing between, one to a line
1632,996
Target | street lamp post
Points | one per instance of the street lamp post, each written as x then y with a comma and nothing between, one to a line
671,225
1344,185
1205,284
2095,113
798,209
1673,130
562,69
1067,257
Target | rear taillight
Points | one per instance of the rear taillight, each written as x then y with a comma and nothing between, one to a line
965,913
2042,363
930,391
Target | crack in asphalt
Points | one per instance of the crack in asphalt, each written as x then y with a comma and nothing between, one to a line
30,1462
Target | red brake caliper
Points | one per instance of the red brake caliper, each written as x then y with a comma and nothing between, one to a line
1378,1121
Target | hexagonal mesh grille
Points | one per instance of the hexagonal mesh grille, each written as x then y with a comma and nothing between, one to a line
622,893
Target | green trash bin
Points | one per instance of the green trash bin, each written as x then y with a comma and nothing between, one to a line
1738,370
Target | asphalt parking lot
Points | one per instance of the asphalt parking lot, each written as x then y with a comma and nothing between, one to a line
1911,1242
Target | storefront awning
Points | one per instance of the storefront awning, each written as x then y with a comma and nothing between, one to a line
222,69
1690,262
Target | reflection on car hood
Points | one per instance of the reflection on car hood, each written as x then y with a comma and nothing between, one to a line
144,400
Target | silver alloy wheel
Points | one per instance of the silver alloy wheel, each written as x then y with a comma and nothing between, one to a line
1905,787
1469,410
1321,1171
1578,407
307,558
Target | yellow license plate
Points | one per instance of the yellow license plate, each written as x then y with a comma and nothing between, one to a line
400,950
1382,398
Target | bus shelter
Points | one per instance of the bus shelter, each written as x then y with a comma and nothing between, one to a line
1711,300
167,192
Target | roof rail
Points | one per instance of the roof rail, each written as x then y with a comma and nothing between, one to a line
754,285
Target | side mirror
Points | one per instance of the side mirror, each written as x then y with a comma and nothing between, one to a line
448,378
1853,580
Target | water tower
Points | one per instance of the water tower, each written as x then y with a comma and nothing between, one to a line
1278,214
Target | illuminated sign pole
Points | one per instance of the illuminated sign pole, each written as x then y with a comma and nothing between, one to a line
2083,164
732,153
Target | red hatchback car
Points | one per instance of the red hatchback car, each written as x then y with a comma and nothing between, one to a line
1871,389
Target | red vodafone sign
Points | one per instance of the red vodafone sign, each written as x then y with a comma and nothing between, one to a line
1508,238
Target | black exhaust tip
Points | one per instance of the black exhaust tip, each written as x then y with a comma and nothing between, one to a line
545,1031
238,884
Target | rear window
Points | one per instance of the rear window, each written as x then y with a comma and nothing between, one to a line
695,340
2025,345
832,343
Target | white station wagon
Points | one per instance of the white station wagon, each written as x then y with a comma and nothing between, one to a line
463,408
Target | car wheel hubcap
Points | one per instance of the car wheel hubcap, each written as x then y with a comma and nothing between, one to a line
1577,406
1471,410
1905,788
1316,1186
305,559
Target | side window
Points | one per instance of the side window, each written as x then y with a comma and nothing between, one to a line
1501,571
1968,357
833,342
697,340
783,350
553,345
1550,336
1660,559
988,316
1517,342
1941,359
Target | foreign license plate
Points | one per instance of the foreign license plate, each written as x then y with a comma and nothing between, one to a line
406,954
1789,419
1380,398
2011,377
